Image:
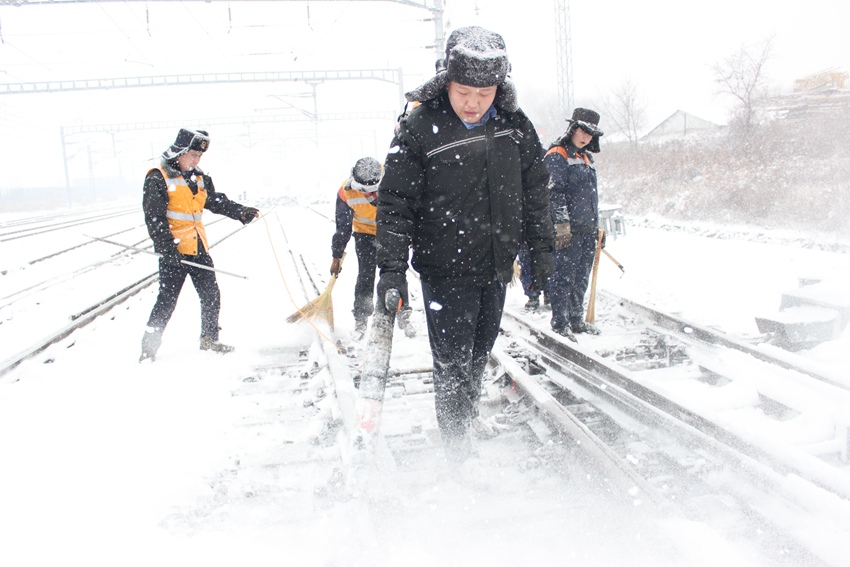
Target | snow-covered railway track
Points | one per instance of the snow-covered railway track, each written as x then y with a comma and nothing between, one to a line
673,452
59,327
15,230
304,417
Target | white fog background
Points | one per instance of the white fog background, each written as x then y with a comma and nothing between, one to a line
665,46
102,495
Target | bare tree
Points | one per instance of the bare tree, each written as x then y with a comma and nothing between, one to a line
625,109
742,76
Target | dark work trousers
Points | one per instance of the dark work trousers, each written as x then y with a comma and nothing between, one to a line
364,289
525,273
171,280
568,283
463,323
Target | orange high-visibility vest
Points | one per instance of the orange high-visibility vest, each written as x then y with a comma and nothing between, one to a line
578,159
364,211
184,213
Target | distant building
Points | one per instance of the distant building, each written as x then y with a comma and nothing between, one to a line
678,125
820,93
822,81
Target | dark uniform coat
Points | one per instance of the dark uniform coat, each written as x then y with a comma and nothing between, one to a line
465,198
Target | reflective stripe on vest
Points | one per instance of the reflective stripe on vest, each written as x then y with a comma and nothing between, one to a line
184,213
183,216
364,211
578,159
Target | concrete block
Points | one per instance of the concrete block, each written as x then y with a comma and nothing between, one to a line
824,295
802,326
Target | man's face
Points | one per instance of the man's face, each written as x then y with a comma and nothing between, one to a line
470,103
581,138
189,160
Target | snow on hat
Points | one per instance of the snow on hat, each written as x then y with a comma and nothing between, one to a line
366,174
198,140
475,57
587,120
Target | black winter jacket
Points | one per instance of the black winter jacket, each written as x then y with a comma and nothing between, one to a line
155,205
464,198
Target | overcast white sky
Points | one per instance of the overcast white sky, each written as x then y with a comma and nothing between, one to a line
665,46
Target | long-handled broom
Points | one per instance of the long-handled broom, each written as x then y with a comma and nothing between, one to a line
321,308
590,317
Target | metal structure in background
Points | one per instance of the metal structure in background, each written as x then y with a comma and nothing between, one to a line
312,78
112,129
309,77
564,57
436,10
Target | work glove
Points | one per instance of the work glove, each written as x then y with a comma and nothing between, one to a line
172,258
387,282
604,235
336,266
563,236
249,214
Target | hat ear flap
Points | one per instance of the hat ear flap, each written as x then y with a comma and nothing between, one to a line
430,89
506,96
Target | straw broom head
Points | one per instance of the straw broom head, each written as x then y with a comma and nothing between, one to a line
516,275
320,308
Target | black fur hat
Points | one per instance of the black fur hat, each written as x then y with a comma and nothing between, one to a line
475,57
587,120
198,140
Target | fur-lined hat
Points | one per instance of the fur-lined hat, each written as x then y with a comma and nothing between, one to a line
587,120
475,57
198,140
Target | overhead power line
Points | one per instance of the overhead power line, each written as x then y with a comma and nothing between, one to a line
436,9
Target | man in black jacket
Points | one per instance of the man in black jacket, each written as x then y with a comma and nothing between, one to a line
464,184
175,196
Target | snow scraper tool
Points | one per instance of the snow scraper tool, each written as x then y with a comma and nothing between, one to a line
373,379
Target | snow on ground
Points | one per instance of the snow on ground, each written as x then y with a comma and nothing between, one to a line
106,461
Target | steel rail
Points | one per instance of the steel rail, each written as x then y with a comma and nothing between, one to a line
608,381
88,315
706,335
754,471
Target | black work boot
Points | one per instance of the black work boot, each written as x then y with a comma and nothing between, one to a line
533,303
566,332
209,343
582,327
150,343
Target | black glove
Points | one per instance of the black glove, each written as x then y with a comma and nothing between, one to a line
249,214
388,281
604,235
171,258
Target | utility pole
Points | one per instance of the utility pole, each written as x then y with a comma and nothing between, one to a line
439,29
563,56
